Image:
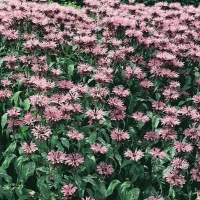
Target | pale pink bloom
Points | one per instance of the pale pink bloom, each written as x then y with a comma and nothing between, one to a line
183,147
156,198
195,173
193,133
158,105
52,113
29,149
95,115
196,99
56,157
151,136
74,160
68,191
5,94
120,91
98,148
29,119
56,72
170,121
105,169
167,134
87,198
179,163
6,83
139,116
119,135
117,115
73,134
137,155
65,84
14,124
39,100
98,93
13,113
116,102
156,152
84,69
41,132
146,84
174,178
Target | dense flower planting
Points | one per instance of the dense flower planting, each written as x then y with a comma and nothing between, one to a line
99,103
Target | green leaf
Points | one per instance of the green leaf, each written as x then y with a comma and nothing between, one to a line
88,179
155,122
125,163
26,104
11,148
124,186
4,120
70,71
119,158
65,142
43,169
43,188
133,194
111,187
3,174
16,97
27,171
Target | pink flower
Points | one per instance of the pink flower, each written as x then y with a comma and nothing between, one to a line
29,149
29,119
139,116
167,134
5,94
146,84
119,135
75,135
56,157
13,113
117,115
156,198
170,121
156,152
183,147
137,155
95,115
175,178
158,105
52,113
41,132
195,172
39,100
98,148
117,103
152,136
179,163
105,169
120,91
74,160
87,198
68,191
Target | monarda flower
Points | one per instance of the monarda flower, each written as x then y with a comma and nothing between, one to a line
157,153
68,191
41,132
74,160
29,149
56,157
183,147
75,135
105,169
139,116
119,135
179,163
95,115
52,113
98,148
137,155
174,178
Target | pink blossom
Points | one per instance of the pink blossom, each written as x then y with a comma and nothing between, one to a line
119,135
73,134
98,148
29,149
105,169
56,157
139,116
137,155
151,136
52,113
175,178
41,132
74,160
179,163
68,191
183,147
157,153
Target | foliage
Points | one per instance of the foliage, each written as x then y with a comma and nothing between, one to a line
99,103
